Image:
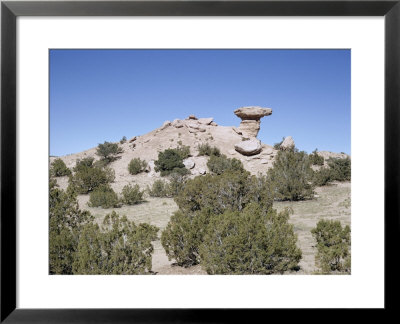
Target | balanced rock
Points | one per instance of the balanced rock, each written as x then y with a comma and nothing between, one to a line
249,147
193,117
250,117
287,144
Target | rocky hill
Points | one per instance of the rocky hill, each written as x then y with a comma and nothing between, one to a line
235,142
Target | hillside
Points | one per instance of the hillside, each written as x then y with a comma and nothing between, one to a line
189,132
331,202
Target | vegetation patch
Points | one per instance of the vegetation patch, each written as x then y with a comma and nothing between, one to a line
132,195
333,246
80,246
171,161
219,164
292,176
108,151
59,169
87,176
137,166
208,150
104,196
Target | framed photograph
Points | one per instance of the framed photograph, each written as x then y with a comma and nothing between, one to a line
190,161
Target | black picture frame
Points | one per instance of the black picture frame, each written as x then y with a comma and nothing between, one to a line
10,10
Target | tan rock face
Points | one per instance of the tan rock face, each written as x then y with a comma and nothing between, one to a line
250,147
287,144
250,117
249,128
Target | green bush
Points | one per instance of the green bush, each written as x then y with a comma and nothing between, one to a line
315,158
88,177
333,246
104,196
292,176
337,170
340,168
132,195
206,149
182,237
171,161
322,177
65,224
220,164
159,188
84,163
250,242
205,197
108,151
136,166
183,151
59,169
78,246
176,183
119,247
123,140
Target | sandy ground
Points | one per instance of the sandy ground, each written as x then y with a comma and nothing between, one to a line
331,202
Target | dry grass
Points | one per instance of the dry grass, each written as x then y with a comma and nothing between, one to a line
332,202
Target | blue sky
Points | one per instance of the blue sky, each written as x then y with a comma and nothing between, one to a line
102,95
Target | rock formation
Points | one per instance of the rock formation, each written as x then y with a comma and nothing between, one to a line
287,144
249,128
250,147
250,117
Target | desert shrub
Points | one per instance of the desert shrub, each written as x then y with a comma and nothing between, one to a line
159,188
183,151
59,169
176,183
170,161
123,140
208,150
119,247
108,151
136,166
315,158
292,175
252,241
82,164
78,246
220,164
104,196
340,169
203,198
132,195
182,237
65,224
333,246
88,177
322,177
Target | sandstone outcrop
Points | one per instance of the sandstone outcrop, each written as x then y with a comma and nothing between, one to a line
250,117
205,121
287,144
189,163
249,147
